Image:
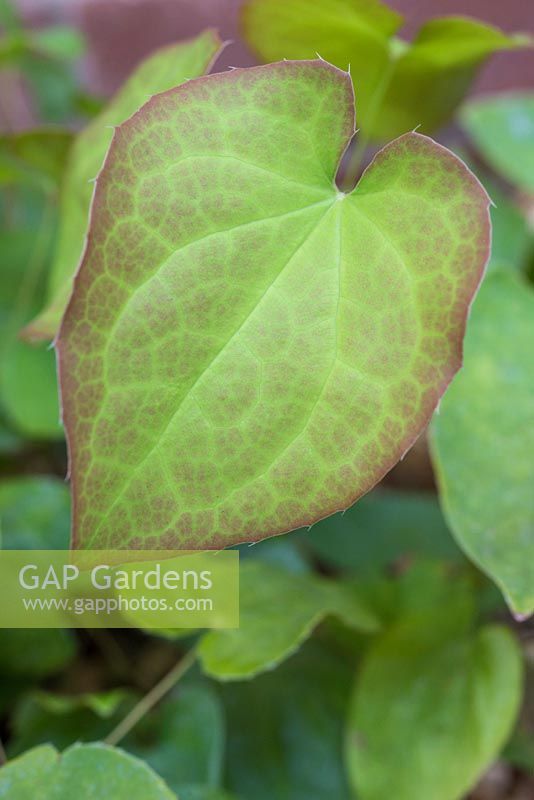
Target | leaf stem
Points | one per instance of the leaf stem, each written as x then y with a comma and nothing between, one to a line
151,698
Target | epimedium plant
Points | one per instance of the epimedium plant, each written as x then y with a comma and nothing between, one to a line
248,348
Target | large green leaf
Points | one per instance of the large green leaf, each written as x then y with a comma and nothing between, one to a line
398,85
84,771
431,712
278,611
285,729
163,70
483,440
248,349
502,127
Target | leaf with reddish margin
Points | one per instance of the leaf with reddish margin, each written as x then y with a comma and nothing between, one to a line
247,349
163,70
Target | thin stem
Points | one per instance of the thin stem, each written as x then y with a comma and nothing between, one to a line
152,698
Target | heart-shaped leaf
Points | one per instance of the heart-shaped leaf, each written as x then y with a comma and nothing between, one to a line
85,771
399,85
248,349
483,440
163,70
502,127
430,712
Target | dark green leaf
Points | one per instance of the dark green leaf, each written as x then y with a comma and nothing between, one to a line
286,730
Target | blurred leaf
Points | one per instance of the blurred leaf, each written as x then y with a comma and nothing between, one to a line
9,17
28,383
381,528
285,730
62,720
398,85
278,611
59,41
183,740
502,127
204,793
420,587
84,771
431,712
35,653
483,440
37,156
34,514
512,239
430,77
54,85
166,68
280,551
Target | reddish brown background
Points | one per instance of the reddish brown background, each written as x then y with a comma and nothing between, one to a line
121,32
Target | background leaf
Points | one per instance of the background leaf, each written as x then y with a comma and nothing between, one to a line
278,611
34,514
502,127
286,729
483,440
381,528
431,711
399,85
28,384
95,770
165,69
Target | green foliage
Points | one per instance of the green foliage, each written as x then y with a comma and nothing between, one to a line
62,720
248,349
35,653
278,611
44,58
483,440
208,330
285,729
23,259
430,710
34,514
163,70
182,740
398,85
502,127
382,528
95,770
37,157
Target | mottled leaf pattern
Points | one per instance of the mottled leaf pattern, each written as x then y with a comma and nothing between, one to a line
248,349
